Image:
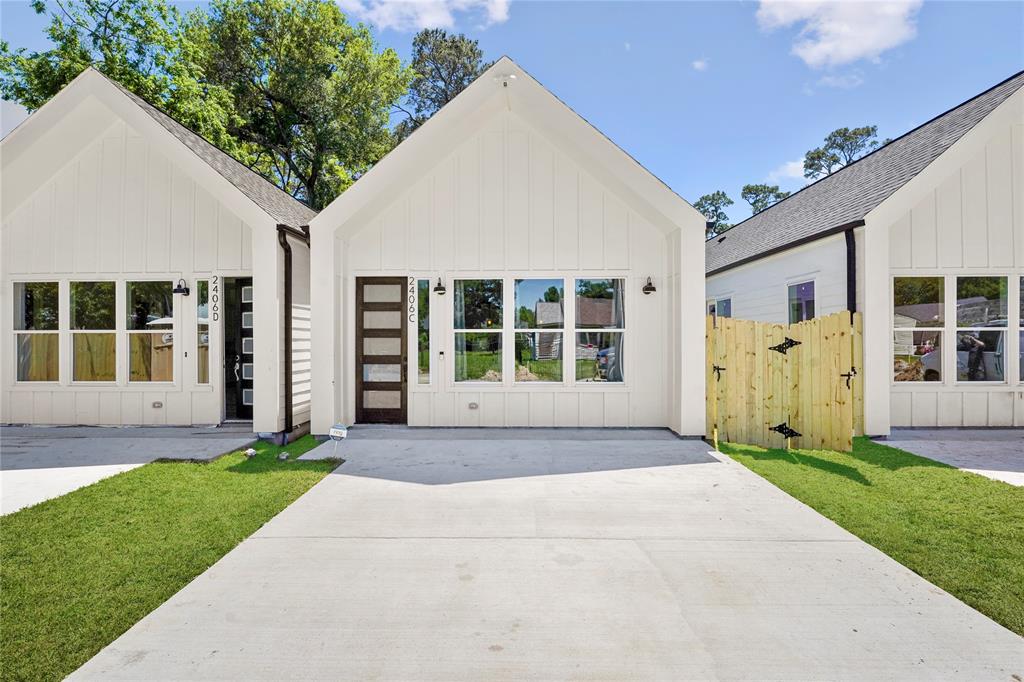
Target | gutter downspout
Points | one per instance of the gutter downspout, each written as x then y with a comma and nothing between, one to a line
851,271
302,234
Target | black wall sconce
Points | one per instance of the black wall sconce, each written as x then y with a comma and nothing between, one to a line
649,288
180,288
439,288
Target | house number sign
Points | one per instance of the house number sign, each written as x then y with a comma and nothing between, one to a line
215,299
412,299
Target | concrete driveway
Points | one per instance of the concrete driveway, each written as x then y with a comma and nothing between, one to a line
483,555
995,453
39,463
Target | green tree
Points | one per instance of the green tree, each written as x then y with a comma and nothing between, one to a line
135,42
444,64
713,206
761,197
553,295
315,92
842,147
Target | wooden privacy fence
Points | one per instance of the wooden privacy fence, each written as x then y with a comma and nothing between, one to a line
778,385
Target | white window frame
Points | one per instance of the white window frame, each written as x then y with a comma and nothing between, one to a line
943,333
954,323
511,340
576,329
209,334
59,332
127,333
501,330
795,283
120,344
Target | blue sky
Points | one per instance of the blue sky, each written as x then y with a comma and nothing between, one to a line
713,95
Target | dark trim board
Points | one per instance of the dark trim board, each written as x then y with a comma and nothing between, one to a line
370,415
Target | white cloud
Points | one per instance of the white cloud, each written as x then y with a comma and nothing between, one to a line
413,15
700,64
791,170
845,81
11,115
837,32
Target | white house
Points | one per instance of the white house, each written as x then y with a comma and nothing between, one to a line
111,212
508,265
925,236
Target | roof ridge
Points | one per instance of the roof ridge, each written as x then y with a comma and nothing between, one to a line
874,151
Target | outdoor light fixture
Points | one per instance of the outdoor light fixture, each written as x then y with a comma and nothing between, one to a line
649,288
180,288
439,289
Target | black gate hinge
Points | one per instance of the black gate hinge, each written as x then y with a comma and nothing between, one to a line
785,345
786,432
849,375
718,372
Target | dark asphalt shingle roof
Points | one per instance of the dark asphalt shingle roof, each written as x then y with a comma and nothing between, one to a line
275,202
851,193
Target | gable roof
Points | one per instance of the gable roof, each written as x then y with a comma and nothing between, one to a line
83,108
840,201
506,86
275,202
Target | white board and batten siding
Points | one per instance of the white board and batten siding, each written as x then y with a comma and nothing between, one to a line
120,210
507,203
969,223
759,290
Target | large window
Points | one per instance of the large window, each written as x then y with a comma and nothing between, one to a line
539,324
600,325
93,339
981,326
203,332
1020,336
423,331
918,318
478,326
801,302
150,308
36,337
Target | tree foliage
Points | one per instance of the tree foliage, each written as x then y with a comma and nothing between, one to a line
443,65
842,147
288,87
761,197
712,207
315,92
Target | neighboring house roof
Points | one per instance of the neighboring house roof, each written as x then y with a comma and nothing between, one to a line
595,312
548,314
842,200
275,202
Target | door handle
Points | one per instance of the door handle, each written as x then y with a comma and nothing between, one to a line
236,368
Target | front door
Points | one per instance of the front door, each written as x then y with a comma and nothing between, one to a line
380,350
238,349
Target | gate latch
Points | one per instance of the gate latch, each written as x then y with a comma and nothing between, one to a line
785,430
785,345
718,372
849,375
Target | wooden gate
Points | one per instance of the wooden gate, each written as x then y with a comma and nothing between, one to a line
779,385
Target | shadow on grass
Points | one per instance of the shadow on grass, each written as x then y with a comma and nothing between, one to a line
802,458
881,455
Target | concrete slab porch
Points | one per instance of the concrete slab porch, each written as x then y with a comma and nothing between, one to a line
995,453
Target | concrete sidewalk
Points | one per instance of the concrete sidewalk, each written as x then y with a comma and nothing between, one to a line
994,453
40,463
489,557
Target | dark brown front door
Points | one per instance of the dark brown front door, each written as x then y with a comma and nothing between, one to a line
380,350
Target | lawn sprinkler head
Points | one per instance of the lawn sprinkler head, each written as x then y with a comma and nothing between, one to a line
250,453
283,456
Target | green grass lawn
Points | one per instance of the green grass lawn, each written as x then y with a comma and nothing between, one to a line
960,531
79,570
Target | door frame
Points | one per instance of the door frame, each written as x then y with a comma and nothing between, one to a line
367,415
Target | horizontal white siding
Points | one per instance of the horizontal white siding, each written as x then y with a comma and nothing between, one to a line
760,290
121,210
507,202
970,223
